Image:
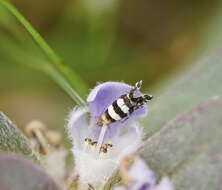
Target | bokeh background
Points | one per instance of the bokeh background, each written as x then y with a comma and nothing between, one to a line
101,40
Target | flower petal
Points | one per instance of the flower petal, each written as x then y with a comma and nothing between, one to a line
104,95
128,143
93,170
165,184
78,126
145,186
141,173
114,130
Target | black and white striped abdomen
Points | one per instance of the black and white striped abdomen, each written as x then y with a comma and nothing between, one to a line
118,110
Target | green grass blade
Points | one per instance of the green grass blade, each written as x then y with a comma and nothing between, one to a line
56,68
17,55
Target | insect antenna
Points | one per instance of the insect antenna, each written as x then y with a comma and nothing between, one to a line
136,87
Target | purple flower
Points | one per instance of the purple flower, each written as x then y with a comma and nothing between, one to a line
98,150
104,95
140,177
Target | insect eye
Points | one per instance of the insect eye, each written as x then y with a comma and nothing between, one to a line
148,97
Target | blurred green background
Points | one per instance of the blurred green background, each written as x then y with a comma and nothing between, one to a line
101,40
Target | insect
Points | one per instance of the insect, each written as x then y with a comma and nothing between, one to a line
125,105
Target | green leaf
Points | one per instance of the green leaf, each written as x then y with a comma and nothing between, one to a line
198,83
188,149
21,174
54,66
12,139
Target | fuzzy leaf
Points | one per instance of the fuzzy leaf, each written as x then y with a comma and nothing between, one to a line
12,140
197,84
189,148
17,173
